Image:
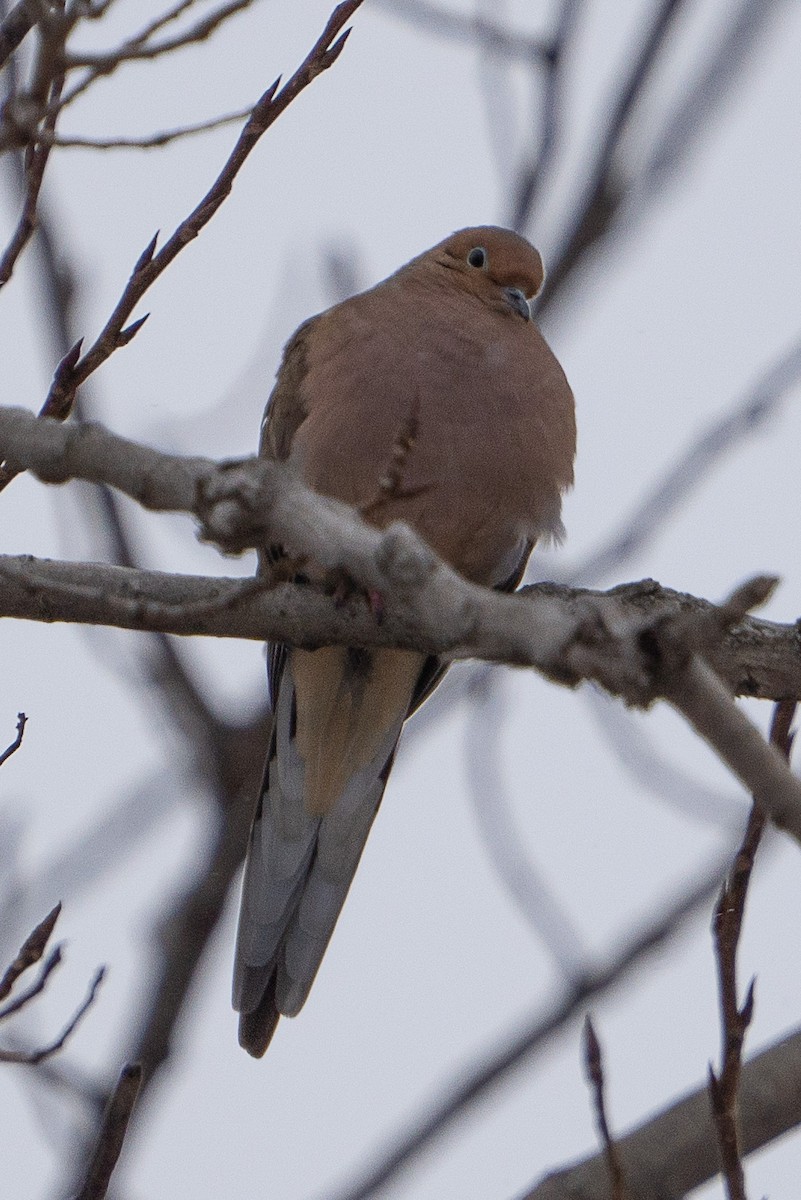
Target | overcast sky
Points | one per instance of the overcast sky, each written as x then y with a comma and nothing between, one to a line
431,963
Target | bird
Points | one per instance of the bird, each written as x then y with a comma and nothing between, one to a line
431,398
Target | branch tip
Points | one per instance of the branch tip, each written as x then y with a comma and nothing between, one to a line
22,721
69,361
269,95
129,333
333,53
147,254
749,595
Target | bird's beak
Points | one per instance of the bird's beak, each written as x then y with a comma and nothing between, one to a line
518,302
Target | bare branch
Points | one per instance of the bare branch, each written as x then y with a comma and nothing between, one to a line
533,176
22,721
141,48
48,82
706,704
593,1062
52,961
30,953
183,934
697,102
615,183
755,657
32,1057
161,21
119,1111
675,1152
735,1020
604,191
150,266
257,502
15,26
147,141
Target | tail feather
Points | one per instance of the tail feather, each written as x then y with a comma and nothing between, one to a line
302,856
340,842
257,1026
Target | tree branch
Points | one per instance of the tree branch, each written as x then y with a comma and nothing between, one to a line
255,502
150,264
112,1133
147,141
16,26
676,1151
14,746
604,194
724,1088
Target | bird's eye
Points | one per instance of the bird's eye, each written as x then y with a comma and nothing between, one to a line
477,257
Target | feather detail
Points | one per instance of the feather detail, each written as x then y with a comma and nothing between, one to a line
338,717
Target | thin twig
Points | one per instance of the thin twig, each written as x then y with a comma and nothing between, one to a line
161,21
36,158
22,721
735,1020
31,951
32,1057
593,1065
182,936
52,961
533,176
146,141
737,48
139,49
116,1118
151,265
605,191
674,1152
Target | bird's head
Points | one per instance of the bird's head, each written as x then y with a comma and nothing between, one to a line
499,267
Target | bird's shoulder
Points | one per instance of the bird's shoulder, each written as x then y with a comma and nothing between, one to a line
286,407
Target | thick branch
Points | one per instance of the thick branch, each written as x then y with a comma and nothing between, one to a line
754,658
252,503
676,1151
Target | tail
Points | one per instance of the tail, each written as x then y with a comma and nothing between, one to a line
338,717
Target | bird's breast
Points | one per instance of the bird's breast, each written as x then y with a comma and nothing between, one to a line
430,423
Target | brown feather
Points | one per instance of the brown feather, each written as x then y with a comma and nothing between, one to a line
495,425
346,700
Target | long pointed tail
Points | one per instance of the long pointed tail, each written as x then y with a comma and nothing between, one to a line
338,717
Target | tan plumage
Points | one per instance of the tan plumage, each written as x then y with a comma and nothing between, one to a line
434,399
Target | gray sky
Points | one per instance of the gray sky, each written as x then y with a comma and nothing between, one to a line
431,963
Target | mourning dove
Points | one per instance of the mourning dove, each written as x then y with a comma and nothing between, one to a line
432,398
